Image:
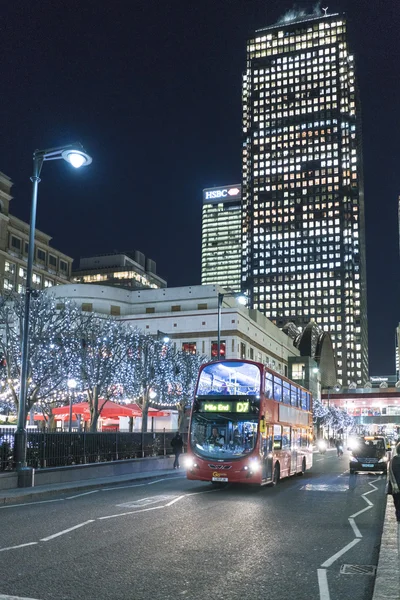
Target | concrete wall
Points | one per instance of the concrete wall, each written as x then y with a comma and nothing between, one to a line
8,480
107,469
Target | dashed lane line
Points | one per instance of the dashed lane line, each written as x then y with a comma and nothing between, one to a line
51,537
30,503
79,495
16,548
2,597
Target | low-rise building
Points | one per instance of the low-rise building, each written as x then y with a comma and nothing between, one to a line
50,266
189,316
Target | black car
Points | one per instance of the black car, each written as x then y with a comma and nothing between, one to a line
369,454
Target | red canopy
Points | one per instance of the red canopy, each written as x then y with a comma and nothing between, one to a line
153,412
108,408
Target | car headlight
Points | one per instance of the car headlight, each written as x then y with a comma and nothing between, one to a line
353,459
383,459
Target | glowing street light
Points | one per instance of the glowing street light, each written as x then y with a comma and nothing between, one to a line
75,155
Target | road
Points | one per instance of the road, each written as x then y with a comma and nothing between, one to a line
170,538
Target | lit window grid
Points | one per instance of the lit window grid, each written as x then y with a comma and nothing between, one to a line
317,82
221,245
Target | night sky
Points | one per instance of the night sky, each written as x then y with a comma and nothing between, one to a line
152,89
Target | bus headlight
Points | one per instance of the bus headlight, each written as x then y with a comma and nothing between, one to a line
188,462
254,466
383,459
353,459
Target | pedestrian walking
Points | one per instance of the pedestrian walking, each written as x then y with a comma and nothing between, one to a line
393,484
177,446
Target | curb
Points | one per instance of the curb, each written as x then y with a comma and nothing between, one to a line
388,571
21,497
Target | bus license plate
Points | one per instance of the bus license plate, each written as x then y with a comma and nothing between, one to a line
223,479
367,466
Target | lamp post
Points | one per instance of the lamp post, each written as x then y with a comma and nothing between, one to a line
77,157
241,298
329,392
71,383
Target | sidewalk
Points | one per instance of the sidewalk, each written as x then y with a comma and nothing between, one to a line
387,582
18,495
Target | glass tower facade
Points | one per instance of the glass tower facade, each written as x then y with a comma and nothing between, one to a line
221,236
303,254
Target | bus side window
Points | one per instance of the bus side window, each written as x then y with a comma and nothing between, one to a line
286,438
277,437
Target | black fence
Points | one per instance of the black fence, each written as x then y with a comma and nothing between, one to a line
45,450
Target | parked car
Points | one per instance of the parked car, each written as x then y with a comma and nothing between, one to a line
370,454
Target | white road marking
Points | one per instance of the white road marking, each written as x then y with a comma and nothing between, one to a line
133,512
322,575
51,537
30,503
79,495
177,499
323,585
333,558
15,548
144,501
2,597
361,511
354,527
124,487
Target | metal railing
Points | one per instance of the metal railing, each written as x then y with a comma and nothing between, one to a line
60,449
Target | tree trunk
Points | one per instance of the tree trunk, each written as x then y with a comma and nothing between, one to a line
145,409
130,424
181,416
94,408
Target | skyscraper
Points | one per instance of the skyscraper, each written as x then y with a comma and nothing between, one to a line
303,199
221,243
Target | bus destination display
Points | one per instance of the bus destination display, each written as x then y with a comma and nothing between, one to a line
236,407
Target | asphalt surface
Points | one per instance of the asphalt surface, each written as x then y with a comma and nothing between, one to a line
170,538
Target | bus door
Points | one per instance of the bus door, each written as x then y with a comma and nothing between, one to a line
293,451
267,446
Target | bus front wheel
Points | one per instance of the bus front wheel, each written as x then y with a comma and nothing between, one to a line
277,474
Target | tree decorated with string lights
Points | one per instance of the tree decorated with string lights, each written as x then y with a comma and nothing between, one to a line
186,367
49,350
149,370
99,360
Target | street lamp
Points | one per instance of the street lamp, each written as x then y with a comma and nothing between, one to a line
164,337
241,298
71,383
77,157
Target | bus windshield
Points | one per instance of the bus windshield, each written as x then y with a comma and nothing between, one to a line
223,436
229,379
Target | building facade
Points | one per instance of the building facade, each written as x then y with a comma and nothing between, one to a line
131,270
303,199
189,317
221,243
50,266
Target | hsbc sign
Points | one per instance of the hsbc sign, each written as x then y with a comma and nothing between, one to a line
222,193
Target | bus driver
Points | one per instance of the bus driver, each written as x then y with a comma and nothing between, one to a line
215,438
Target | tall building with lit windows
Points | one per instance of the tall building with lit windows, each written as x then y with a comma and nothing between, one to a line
221,243
303,200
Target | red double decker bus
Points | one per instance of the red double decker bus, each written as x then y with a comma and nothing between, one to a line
248,425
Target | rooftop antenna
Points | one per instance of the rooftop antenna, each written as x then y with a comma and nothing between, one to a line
325,11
